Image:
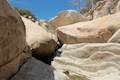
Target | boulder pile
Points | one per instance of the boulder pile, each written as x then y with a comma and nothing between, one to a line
90,50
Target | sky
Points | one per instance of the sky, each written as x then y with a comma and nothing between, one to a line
45,9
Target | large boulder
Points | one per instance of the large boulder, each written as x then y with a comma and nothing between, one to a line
36,70
13,47
96,31
90,61
40,41
67,17
115,38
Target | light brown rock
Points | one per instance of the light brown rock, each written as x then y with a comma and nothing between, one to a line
118,7
12,40
103,8
93,61
40,41
96,31
115,38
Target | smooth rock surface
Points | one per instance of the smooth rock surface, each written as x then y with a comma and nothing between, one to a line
96,31
94,61
12,41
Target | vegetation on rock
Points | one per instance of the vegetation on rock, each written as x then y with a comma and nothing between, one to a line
25,13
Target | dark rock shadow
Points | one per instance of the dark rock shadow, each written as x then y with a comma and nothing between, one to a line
58,53
34,69
45,59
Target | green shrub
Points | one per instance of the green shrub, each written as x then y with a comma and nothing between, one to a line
23,12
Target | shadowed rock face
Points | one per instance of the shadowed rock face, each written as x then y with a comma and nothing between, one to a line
37,70
12,33
12,41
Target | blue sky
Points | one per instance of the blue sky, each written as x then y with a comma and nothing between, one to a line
45,9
